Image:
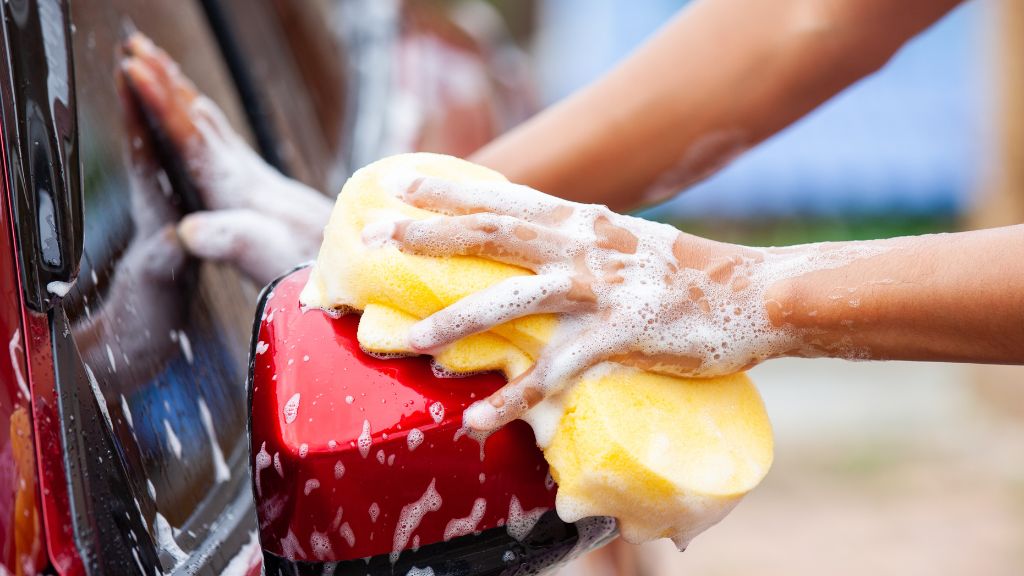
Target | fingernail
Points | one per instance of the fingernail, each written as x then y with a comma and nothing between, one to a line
379,234
143,42
128,30
186,231
481,416
140,76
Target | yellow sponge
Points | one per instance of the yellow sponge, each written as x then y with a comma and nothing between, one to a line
666,456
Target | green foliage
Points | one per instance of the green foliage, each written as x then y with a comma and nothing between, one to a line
800,230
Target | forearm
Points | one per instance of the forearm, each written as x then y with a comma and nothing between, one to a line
952,297
719,78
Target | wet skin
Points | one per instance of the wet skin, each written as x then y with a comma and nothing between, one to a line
717,79
253,217
953,297
950,297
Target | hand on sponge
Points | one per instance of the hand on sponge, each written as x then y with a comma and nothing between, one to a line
667,456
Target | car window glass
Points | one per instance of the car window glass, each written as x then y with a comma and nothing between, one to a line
164,337
298,71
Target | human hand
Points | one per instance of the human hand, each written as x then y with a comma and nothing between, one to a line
626,289
145,287
255,218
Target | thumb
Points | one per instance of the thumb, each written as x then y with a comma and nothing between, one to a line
259,246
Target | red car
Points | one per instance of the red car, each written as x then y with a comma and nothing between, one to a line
125,447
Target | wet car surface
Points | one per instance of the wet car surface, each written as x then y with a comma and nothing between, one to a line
125,446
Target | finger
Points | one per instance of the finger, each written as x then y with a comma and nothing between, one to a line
136,138
159,257
501,238
260,247
226,172
173,100
480,311
153,203
684,364
164,67
451,197
550,374
167,107
211,122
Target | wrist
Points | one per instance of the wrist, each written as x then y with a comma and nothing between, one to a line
788,302
822,298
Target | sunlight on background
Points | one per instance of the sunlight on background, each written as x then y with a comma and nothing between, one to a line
882,468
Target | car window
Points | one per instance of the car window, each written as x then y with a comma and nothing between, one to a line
299,73
162,337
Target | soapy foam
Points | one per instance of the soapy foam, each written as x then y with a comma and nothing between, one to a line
638,294
648,300
347,534
365,440
101,400
311,484
635,310
220,468
262,463
110,359
437,412
58,288
463,526
13,347
172,439
414,439
291,408
186,346
320,545
165,540
410,517
646,315
385,355
138,563
290,546
519,522
442,372
126,411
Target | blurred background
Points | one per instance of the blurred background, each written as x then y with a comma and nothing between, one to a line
881,468
892,468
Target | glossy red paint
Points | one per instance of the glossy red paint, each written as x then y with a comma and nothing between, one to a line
14,398
35,523
46,422
324,495
37,532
